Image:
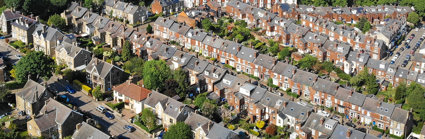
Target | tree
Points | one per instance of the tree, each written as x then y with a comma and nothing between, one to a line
413,18
260,124
58,3
134,66
328,66
3,92
179,130
386,2
57,21
372,87
170,86
307,62
416,101
284,53
271,129
209,109
181,77
148,118
97,93
34,65
88,4
364,25
320,3
155,73
206,24
14,3
270,82
149,29
239,38
126,51
200,99
400,91
273,47
340,3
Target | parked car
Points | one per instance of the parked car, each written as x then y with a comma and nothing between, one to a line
101,109
351,124
402,48
408,57
404,63
392,62
70,89
362,130
129,128
412,52
109,115
407,46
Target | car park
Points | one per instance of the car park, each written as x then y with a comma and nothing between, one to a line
129,128
101,109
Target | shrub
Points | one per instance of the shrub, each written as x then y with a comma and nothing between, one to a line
13,85
260,124
231,127
254,132
83,86
116,106
271,129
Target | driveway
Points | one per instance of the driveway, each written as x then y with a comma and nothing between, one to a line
85,103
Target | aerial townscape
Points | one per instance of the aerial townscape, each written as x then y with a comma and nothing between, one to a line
212,69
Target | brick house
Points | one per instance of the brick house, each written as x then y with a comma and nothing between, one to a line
166,7
263,66
282,75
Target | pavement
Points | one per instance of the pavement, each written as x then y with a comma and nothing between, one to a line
113,127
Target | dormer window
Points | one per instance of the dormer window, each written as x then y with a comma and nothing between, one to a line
207,73
215,75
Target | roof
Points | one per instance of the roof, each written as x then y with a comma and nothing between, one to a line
247,54
154,97
214,72
87,131
132,91
300,77
71,50
78,11
176,109
230,82
220,132
54,113
166,51
370,104
378,64
232,47
315,38
10,15
89,17
326,86
24,23
179,28
100,22
258,94
357,99
360,58
196,34
265,61
284,69
48,33
400,115
272,100
195,120
165,22
296,110
385,109
343,94
341,131
32,91
165,3
99,67
318,122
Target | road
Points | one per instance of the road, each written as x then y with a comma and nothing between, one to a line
85,103
8,52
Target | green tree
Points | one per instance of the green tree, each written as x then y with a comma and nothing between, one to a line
3,92
364,25
328,66
386,2
57,21
400,91
14,3
372,87
207,24
270,82
35,65
200,99
58,3
88,4
340,3
97,93
155,73
413,18
181,77
149,29
419,6
126,51
365,2
416,101
209,109
284,53
134,66
273,47
179,130
148,118
320,3
239,38
307,62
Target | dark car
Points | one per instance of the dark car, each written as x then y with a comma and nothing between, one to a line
351,124
404,63
70,89
407,46
402,49
109,115
129,128
362,130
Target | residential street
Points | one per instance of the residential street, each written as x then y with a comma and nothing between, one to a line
85,103
8,52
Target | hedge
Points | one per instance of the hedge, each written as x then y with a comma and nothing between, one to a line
254,132
13,85
116,106
83,86
146,128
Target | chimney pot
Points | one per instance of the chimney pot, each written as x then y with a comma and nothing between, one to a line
348,133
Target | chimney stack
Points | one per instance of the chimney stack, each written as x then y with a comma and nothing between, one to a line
322,120
78,126
348,133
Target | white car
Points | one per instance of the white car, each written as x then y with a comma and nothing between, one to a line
323,113
101,109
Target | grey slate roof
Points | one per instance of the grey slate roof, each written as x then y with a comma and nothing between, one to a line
182,57
265,61
195,120
100,22
32,91
413,75
176,109
165,22
340,132
343,94
87,131
338,47
78,12
70,49
258,94
296,110
230,82
315,38
326,86
198,65
215,70
385,109
247,54
220,132
378,64
62,113
357,99
304,78
89,17
100,67
273,100
355,56
401,73
23,21
10,15
317,122
49,33
153,44
196,34
284,69
154,97
400,115
166,51
232,47
370,104
179,28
